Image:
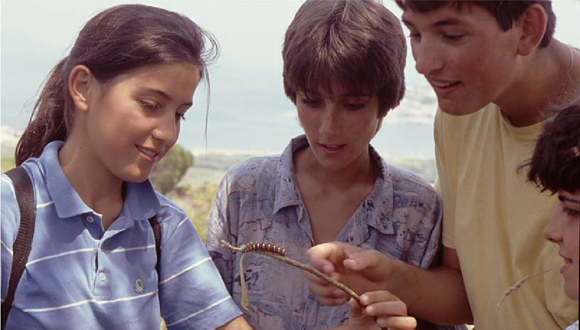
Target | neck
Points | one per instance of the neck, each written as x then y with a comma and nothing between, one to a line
360,171
545,80
97,187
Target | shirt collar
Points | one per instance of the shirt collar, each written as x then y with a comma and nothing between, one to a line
377,208
141,201
286,192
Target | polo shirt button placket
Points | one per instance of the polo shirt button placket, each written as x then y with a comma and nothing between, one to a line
103,284
90,219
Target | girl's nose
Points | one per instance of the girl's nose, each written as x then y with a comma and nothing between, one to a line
166,128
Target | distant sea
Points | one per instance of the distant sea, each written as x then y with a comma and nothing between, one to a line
265,122
235,128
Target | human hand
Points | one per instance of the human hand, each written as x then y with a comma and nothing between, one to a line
360,269
384,307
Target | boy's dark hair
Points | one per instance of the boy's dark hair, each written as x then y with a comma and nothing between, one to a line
113,42
359,44
555,164
505,12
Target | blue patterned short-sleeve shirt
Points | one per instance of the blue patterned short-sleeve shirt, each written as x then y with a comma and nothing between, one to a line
259,201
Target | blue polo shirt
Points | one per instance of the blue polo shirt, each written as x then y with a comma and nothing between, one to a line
79,276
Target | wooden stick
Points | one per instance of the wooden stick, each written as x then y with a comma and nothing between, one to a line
300,265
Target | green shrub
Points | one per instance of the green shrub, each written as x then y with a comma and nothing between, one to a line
7,163
196,203
171,169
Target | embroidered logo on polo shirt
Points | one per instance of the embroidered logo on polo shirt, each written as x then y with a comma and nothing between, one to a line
139,286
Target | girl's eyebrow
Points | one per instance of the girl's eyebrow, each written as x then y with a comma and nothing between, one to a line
161,93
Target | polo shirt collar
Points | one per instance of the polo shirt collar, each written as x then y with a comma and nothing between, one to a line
66,200
141,201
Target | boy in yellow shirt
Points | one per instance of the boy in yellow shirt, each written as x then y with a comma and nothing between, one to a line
495,68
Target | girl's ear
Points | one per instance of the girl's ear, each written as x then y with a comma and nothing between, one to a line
533,23
79,86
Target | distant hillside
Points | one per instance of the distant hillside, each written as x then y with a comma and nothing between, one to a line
222,160
210,168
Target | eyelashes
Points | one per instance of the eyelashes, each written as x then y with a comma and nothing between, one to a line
264,247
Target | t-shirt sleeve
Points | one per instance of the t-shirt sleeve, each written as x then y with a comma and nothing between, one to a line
9,227
443,183
191,291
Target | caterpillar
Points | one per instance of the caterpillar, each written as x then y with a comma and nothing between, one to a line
263,247
279,253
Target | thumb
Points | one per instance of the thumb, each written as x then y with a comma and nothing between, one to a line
326,256
356,311
362,260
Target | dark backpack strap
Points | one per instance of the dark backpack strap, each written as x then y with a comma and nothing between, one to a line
23,243
157,234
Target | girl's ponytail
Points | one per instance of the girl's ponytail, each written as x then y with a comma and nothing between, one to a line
50,119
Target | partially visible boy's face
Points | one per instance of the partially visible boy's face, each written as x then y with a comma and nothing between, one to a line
466,57
564,230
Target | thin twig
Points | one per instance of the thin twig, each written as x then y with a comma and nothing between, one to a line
300,265
519,284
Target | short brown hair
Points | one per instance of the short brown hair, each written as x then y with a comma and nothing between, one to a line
359,44
505,12
555,164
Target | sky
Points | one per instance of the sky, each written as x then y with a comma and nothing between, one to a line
248,108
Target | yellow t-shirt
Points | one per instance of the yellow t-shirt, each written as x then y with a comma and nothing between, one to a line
494,219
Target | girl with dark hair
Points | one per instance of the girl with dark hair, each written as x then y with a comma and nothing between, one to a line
109,112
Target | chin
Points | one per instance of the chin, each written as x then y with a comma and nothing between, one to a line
571,283
572,291
136,175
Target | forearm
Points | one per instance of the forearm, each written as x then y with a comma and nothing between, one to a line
436,295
